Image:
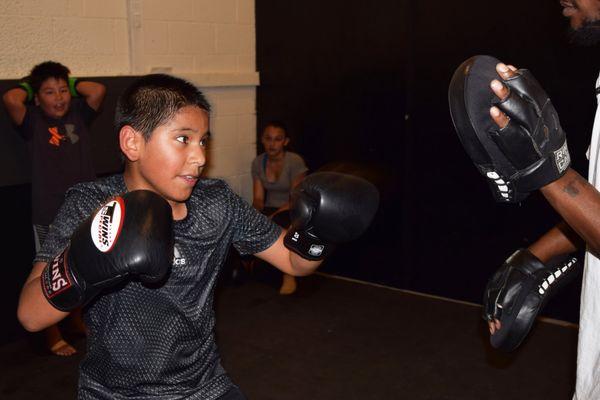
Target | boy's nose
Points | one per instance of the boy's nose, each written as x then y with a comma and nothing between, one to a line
198,155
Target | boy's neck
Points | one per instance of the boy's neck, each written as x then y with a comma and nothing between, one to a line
131,183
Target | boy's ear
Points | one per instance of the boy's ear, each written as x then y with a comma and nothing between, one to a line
130,142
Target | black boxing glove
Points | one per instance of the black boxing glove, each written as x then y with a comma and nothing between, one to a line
129,236
518,291
329,208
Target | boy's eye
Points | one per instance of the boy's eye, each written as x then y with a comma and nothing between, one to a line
204,142
182,139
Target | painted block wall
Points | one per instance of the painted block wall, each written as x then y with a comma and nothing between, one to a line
209,42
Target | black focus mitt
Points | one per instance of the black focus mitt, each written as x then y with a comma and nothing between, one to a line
519,290
528,153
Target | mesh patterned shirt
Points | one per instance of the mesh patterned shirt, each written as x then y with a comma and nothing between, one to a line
160,342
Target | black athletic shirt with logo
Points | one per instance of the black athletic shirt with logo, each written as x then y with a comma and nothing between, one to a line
160,342
61,155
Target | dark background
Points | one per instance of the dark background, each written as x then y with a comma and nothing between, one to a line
363,88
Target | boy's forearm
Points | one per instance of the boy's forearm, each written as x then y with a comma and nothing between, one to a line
578,202
14,101
89,88
15,96
34,312
93,92
302,266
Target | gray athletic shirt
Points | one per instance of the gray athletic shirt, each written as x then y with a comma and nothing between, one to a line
278,193
159,343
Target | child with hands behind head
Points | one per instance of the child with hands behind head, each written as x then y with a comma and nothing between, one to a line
53,111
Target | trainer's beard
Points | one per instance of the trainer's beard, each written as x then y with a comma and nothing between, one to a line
587,34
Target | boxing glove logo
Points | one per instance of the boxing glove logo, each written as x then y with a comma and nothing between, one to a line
55,279
315,250
107,224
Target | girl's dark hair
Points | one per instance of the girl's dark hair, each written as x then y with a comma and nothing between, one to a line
277,124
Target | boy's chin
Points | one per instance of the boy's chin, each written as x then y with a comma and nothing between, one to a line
56,115
179,197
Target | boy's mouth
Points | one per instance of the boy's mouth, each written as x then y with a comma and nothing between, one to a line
190,179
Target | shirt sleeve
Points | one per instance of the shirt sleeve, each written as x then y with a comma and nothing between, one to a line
297,165
253,232
77,206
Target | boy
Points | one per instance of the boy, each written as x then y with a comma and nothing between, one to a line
157,341
55,126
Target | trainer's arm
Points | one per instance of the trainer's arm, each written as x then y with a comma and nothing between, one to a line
561,239
92,92
34,311
571,195
287,261
578,202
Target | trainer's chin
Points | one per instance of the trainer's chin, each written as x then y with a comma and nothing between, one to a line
588,34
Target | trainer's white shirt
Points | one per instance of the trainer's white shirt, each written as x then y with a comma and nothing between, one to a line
587,386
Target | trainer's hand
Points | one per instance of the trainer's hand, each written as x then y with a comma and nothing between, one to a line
518,291
529,131
501,91
522,147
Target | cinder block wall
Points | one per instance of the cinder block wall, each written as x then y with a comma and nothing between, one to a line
90,37
209,42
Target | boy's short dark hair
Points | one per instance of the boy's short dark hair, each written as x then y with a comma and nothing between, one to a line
45,70
154,99
277,124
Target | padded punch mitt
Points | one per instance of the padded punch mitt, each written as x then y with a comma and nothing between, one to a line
519,290
530,152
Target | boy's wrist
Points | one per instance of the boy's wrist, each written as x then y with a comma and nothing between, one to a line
27,88
73,87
